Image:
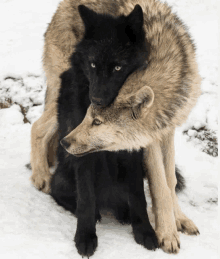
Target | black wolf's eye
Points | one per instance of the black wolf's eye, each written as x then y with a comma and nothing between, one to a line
117,68
92,65
96,122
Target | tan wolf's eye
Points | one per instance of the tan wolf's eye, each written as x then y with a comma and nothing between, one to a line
92,65
96,122
117,68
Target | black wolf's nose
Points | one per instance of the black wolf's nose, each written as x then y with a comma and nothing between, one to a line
64,143
97,101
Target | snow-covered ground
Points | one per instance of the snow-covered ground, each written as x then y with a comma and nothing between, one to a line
32,225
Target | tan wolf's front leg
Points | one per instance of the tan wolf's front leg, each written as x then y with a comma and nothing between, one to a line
42,132
184,224
166,231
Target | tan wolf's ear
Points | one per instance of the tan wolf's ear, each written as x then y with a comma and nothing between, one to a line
139,102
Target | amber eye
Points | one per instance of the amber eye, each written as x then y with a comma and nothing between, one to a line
96,122
117,68
93,65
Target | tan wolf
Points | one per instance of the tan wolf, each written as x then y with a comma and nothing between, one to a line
171,74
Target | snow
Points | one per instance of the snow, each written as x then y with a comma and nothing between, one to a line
34,113
32,225
11,116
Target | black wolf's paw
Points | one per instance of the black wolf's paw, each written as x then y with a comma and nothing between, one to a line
86,243
146,237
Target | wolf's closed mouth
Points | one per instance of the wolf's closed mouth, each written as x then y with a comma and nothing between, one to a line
85,153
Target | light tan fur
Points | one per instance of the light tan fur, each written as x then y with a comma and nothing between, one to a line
166,229
171,76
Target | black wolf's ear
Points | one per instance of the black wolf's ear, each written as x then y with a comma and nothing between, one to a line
87,15
135,21
139,102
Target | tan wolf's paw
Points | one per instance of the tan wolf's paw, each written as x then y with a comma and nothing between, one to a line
169,242
187,226
41,181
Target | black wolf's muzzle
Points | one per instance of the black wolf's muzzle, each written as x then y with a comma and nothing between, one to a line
97,101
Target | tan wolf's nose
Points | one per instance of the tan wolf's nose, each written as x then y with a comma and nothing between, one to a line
64,143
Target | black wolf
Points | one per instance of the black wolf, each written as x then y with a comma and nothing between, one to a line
85,184
112,48
101,62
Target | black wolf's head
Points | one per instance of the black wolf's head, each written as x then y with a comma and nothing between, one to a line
111,49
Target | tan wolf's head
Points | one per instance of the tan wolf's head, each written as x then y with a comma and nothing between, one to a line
117,127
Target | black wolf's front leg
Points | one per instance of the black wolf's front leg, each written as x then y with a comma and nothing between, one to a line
143,232
85,237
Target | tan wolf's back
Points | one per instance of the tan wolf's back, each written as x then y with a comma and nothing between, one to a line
172,70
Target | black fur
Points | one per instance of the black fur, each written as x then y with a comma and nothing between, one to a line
110,180
109,42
